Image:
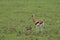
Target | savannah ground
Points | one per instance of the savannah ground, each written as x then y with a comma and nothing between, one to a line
15,14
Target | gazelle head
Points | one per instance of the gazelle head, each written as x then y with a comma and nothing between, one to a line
32,18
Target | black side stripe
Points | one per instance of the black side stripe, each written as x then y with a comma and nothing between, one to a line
41,22
38,22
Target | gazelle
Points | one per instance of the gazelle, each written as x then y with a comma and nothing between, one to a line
29,29
39,24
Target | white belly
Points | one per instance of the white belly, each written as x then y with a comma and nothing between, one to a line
38,24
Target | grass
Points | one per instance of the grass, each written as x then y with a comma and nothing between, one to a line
15,14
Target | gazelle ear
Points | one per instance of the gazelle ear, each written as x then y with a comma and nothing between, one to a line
31,17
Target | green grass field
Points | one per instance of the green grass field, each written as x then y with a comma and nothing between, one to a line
15,14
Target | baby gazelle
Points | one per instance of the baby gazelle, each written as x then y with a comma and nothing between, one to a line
29,30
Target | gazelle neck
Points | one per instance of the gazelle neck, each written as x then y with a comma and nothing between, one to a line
33,20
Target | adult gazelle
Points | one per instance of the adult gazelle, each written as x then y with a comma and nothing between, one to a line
39,24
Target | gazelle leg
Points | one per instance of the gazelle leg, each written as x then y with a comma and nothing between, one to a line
37,29
41,27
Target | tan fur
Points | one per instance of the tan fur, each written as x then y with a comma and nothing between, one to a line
34,20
